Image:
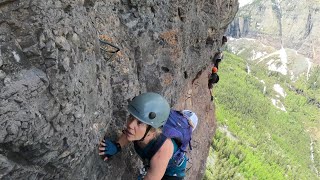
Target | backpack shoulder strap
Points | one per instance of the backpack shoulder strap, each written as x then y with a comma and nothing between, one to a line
157,145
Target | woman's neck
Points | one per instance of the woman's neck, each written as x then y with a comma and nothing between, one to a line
147,139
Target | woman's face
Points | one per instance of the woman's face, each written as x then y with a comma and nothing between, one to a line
135,129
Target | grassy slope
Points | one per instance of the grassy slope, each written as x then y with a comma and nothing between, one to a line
270,143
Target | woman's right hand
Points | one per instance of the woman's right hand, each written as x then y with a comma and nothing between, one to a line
108,148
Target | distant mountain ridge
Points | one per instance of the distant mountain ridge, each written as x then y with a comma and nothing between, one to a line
289,24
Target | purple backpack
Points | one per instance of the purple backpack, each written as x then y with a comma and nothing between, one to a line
178,128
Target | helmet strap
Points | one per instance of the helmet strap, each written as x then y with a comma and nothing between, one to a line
145,134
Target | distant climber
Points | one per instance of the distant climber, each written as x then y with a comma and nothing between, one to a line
224,40
217,59
148,113
213,78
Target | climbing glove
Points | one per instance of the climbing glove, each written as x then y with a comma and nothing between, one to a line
140,177
111,148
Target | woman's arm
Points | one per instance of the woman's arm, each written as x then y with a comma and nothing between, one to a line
108,148
123,141
159,161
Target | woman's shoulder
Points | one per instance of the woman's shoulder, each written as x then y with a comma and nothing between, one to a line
167,147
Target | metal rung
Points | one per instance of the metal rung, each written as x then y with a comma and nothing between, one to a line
107,43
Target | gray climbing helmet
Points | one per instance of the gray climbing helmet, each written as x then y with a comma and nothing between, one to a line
150,108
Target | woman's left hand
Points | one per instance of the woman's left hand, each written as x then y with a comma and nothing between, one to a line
108,148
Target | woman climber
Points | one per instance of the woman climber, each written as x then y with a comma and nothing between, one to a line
148,113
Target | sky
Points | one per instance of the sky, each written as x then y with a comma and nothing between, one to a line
244,2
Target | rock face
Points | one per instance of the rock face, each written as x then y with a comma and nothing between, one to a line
291,24
61,89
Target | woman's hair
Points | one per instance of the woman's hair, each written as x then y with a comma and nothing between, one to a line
158,131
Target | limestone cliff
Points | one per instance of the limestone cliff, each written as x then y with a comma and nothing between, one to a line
61,89
291,24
